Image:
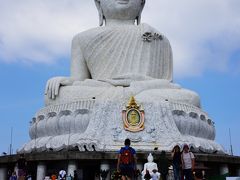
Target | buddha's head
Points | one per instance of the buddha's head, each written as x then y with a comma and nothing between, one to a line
119,10
150,158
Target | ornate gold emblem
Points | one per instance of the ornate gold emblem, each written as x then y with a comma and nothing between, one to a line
133,116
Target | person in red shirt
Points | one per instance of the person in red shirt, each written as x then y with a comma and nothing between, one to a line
127,161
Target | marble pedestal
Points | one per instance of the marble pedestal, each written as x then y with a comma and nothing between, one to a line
97,125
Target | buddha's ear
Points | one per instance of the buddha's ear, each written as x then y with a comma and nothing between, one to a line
100,12
140,12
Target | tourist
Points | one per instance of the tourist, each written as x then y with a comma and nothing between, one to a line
13,176
147,176
62,174
29,177
127,161
69,177
188,163
21,164
163,165
75,175
177,162
53,176
155,175
9,174
198,175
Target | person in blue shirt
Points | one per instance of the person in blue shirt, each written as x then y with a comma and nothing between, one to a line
13,176
127,161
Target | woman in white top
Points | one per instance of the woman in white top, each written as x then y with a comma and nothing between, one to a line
188,163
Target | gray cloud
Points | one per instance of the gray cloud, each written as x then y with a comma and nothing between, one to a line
204,34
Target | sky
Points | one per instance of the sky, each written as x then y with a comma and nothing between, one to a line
35,44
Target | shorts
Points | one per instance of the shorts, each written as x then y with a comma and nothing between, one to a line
127,170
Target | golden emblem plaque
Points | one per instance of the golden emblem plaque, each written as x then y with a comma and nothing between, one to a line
133,116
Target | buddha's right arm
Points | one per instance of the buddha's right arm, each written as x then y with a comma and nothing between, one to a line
53,85
79,71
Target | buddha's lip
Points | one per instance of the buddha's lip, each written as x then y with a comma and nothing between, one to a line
122,1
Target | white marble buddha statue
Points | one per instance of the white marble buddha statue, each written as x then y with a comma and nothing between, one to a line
149,166
120,58
109,64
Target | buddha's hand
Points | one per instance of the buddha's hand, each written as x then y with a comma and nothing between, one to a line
53,86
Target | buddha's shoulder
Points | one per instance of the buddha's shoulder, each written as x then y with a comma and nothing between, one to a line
146,27
88,34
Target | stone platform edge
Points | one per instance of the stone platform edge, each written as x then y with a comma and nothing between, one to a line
141,156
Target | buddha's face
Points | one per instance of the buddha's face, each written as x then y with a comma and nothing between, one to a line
121,9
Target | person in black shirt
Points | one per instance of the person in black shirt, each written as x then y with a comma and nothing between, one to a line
75,176
21,163
163,165
176,156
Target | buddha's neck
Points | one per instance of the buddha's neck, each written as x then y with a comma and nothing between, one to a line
117,22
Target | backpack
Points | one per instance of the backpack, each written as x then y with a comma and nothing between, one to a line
126,156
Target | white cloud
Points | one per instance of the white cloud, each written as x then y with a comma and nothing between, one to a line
204,34
41,30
